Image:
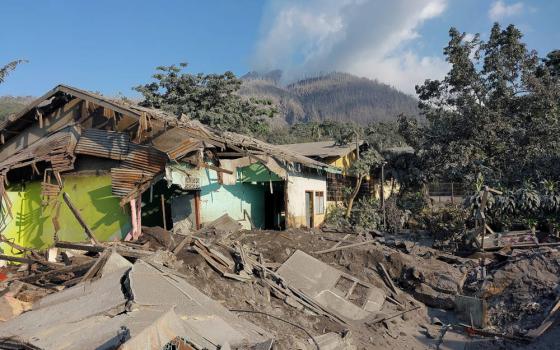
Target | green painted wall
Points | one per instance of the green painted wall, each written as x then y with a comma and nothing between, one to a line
217,200
256,172
32,224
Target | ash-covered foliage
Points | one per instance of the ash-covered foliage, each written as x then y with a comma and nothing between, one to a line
210,98
496,112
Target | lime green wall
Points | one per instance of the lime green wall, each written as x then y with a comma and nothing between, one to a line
32,224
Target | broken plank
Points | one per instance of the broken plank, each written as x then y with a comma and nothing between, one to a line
215,168
548,321
344,239
97,266
129,253
22,260
78,216
345,247
180,246
387,278
65,269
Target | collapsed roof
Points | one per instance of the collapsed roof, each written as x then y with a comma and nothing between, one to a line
67,121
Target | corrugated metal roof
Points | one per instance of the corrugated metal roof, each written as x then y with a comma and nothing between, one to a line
190,129
321,149
104,144
145,158
125,181
56,148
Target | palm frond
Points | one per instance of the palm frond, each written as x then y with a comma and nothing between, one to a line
4,71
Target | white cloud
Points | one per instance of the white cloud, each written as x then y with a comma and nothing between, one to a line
370,38
500,10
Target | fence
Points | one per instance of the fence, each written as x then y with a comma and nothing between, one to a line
445,192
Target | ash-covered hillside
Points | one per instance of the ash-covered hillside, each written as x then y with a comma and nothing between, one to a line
333,96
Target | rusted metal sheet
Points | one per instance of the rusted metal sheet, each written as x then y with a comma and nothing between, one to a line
184,148
56,148
104,144
176,143
125,180
145,158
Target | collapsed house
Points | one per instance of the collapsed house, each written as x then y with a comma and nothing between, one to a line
74,161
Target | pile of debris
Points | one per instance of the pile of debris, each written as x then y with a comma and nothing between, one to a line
221,287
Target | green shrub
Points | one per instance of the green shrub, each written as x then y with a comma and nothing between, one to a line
335,216
366,214
447,223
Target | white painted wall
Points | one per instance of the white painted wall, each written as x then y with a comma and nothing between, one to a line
296,186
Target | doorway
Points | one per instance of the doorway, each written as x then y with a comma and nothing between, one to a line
309,208
274,206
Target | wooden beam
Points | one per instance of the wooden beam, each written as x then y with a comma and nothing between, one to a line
100,102
197,208
163,211
345,247
246,153
215,168
129,253
28,260
78,216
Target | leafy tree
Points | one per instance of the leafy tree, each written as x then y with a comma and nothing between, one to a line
384,135
341,132
495,113
210,98
360,169
552,61
5,70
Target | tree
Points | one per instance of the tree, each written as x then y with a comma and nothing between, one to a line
360,169
552,61
5,70
494,113
210,98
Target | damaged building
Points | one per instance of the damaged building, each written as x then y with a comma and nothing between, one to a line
73,161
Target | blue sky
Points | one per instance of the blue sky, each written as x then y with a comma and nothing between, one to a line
110,46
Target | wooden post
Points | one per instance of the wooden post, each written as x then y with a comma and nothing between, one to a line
76,213
483,215
383,194
163,211
357,146
452,194
197,219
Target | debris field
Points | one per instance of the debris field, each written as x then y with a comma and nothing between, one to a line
294,289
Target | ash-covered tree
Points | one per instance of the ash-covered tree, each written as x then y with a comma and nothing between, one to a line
210,98
6,69
360,169
496,112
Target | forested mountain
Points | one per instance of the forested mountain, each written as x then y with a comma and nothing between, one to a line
332,96
10,104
